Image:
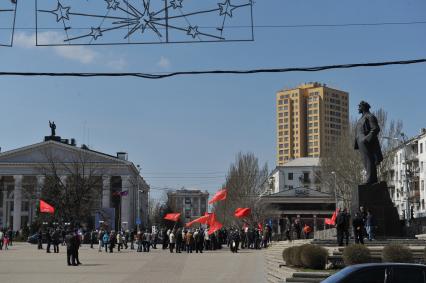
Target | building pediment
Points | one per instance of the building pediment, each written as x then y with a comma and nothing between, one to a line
49,151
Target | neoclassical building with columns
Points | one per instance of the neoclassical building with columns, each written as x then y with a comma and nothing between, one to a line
23,175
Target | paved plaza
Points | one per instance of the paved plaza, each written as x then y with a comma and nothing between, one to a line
24,263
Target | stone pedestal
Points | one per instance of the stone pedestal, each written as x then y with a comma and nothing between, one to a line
376,198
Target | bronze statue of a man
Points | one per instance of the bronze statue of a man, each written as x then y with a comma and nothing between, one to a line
367,142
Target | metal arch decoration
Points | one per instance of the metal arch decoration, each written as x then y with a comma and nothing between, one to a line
7,21
81,22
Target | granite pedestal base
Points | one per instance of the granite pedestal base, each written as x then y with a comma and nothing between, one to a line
376,198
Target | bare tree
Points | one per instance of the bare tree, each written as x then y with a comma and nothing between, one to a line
73,185
244,184
389,135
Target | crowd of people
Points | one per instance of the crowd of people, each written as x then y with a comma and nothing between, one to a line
363,225
173,240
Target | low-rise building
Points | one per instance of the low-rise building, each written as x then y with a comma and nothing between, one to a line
25,172
189,203
297,173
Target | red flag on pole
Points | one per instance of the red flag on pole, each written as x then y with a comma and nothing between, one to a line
220,195
332,220
46,208
214,224
202,220
242,212
172,217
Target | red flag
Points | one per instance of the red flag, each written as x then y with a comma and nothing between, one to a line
202,220
220,195
46,208
242,212
260,226
172,217
214,224
332,220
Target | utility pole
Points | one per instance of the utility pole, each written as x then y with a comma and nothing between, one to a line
406,182
138,213
335,188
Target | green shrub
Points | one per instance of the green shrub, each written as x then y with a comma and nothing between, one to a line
313,256
397,253
287,255
297,255
356,254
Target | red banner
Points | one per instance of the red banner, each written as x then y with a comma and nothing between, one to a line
242,212
220,195
46,208
172,217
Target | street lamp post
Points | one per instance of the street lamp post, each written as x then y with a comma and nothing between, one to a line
335,187
138,214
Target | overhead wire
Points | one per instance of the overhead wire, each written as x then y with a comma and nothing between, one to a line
214,72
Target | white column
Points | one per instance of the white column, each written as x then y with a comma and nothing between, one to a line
4,215
199,206
125,201
17,203
40,185
106,191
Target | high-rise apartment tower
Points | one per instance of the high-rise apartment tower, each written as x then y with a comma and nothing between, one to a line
310,119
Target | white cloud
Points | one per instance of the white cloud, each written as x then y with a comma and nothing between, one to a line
81,54
164,62
117,64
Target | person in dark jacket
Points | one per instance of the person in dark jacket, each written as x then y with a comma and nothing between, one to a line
77,247
370,225
70,243
48,240
358,225
39,240
55,240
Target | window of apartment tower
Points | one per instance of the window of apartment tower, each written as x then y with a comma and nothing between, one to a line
290,176
421,147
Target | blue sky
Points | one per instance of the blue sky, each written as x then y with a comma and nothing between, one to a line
185,131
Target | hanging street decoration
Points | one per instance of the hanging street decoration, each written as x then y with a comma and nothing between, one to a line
7,21
105,22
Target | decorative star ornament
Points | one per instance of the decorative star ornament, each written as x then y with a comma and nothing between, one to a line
226,8
112,4
96,32
61,12
176,4
193,31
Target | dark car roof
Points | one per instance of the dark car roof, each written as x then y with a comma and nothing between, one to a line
353,268
384,264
